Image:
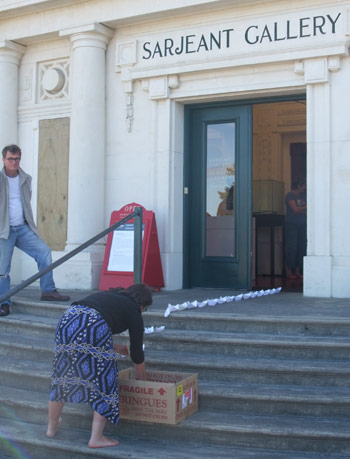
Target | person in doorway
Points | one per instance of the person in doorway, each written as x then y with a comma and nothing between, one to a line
84,340
295,229
17,227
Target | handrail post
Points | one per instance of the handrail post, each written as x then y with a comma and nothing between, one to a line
138,246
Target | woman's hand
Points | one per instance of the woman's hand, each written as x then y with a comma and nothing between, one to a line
140,370
121,349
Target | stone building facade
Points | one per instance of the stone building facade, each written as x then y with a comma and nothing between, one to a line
169,104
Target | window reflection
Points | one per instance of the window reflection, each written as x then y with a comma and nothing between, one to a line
226,205
220,229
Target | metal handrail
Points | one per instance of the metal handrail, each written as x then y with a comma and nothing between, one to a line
137,214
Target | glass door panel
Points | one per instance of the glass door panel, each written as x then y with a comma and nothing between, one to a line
220,182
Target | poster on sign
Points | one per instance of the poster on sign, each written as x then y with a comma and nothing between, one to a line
118,263
121,257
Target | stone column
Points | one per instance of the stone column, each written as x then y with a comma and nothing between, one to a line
87,148
87,132
10,56
318,262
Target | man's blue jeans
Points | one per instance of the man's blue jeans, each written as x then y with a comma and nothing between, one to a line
24,238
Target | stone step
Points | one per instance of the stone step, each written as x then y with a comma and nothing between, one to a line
28,440
38,308
249,345
222,368
36,348
278,432
199,319
72,444
234,344
273,381
268,399
241,323
259,370
21,325
232,397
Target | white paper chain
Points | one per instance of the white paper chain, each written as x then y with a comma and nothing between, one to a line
223,299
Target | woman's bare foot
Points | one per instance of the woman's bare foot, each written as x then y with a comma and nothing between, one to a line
102,442
53,427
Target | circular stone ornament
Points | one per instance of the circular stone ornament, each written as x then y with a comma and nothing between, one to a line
53,80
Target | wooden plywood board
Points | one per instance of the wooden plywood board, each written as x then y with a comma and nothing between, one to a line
53,181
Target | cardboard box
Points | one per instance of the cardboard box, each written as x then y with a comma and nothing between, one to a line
165,397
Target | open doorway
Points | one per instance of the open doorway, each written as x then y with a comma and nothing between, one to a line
279,157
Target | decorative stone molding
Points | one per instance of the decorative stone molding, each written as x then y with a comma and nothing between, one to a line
127,80
53,80
145,85
27,84
334,63
88,36
128,89
299,68
44,111
11,52
158,87
95,29
126,54
316,70
129,111
173,81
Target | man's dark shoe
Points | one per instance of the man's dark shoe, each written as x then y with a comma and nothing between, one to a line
4,310
54,295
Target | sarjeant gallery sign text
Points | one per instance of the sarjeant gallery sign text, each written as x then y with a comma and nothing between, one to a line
287,30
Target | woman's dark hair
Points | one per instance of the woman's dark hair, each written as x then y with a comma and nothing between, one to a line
140,293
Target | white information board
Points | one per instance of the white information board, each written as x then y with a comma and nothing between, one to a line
121,257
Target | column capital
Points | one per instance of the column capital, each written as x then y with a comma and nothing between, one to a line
11,52
89,35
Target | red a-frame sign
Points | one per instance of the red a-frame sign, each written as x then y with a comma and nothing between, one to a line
117,269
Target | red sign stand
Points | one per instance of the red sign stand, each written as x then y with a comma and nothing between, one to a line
119,247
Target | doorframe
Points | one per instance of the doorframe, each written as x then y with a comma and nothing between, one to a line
207,105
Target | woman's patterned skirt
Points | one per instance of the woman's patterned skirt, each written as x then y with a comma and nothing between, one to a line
85,366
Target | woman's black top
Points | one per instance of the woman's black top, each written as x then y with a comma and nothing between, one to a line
121,313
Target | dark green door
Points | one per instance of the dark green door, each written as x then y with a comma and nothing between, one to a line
217,246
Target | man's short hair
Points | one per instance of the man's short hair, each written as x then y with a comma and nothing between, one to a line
12,149
299,181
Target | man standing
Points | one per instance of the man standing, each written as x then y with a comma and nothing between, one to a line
17,227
